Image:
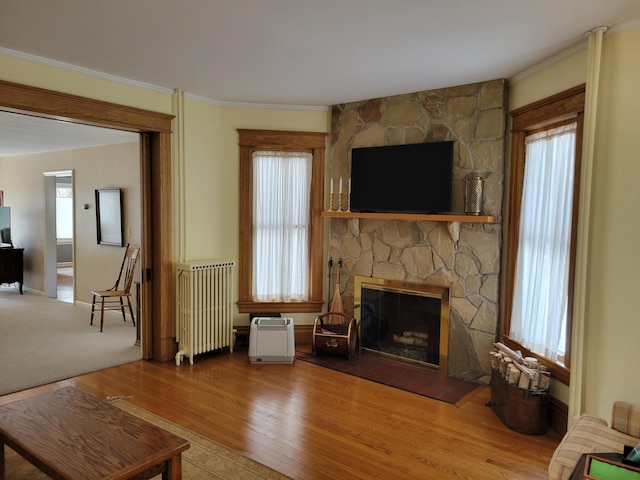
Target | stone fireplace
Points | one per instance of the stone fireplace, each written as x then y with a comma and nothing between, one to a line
463,257
405,321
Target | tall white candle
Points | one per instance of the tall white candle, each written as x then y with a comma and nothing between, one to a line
349,185
331,190
340,191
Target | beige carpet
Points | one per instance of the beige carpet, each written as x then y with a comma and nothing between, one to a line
43,340
204,460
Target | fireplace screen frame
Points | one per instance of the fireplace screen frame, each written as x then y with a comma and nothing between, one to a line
409,288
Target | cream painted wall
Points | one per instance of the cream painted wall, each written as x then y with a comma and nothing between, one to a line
204,203
21,179
613,323
612,326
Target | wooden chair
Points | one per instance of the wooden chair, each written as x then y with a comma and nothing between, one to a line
336,338
112,299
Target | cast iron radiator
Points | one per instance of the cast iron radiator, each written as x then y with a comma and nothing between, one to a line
204,320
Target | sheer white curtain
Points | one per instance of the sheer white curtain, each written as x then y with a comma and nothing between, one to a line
281,202
540,302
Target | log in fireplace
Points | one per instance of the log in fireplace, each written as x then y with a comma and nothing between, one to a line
403,320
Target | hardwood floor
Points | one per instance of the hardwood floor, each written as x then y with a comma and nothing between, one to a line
310,422
65,284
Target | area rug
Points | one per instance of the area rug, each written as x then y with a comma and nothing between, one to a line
412,378
204,460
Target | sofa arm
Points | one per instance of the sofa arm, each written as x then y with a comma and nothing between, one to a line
625,418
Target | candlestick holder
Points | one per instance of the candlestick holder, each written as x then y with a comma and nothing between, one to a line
330,203
348,202
339,202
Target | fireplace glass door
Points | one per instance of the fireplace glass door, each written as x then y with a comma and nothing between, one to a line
403,323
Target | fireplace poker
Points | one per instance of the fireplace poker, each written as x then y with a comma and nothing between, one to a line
330,265
336,303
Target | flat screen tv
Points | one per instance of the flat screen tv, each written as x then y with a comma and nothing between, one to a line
411,178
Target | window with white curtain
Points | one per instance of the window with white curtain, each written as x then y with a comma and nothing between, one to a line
281,186
281,201
540,249
541,290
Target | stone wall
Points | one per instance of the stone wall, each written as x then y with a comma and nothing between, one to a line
462,256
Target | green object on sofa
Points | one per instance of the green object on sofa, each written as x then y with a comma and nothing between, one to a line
591,434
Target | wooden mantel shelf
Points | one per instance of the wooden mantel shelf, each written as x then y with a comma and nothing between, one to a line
415,217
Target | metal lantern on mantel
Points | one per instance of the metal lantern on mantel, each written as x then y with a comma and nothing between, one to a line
473,190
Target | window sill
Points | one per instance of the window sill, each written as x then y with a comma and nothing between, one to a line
558,371
279,307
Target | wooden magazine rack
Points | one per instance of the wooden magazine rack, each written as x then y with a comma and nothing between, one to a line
335,338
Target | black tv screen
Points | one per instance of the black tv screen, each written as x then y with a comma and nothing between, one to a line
413,178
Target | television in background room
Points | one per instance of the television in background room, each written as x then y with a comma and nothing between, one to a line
410,178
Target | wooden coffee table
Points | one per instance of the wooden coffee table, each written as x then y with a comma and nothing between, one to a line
70,435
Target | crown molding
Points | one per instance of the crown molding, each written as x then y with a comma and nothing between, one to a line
318,108
85,71
619,27
149,86
572,50
259,106
550,61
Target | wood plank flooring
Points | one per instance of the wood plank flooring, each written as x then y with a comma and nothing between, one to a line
65,284
310,422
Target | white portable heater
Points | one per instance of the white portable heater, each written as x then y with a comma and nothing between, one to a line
271,340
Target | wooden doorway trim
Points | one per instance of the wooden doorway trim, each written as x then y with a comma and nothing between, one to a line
157,265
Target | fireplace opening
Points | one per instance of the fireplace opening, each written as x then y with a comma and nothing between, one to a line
407,321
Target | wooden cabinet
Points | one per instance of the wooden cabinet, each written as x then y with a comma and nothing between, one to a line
12,266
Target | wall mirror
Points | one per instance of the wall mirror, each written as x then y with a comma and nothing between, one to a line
110,225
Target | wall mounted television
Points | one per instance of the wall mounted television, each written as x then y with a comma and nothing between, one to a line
410,178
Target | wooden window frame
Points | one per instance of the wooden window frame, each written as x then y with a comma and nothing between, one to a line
278,140
556,110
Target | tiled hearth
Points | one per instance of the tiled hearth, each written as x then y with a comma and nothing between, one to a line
404,376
